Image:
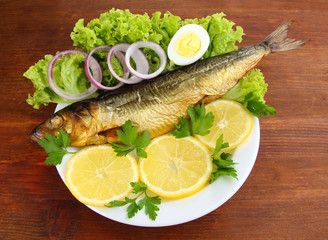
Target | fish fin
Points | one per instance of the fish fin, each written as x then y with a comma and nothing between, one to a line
110,134
278,41
210,98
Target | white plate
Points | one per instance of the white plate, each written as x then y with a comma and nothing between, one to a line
179,211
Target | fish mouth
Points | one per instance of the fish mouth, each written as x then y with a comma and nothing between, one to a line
36,134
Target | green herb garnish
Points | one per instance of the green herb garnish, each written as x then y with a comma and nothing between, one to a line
150,203
199,122
56,147
130,137
256,107
250,91
223,161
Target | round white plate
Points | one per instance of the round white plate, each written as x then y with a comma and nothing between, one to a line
179,211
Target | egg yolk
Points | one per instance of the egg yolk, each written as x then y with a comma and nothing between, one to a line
188,44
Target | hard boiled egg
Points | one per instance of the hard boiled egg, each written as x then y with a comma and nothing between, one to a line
188,44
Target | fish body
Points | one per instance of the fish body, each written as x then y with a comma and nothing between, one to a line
157,104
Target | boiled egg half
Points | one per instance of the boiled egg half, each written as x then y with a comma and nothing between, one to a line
188,44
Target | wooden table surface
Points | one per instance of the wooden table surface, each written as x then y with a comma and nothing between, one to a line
286,194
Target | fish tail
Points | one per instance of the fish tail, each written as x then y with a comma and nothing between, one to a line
278,41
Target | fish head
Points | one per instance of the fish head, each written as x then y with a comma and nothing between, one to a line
76,119
51,126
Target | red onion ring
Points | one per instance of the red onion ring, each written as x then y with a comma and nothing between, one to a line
74,97
141,44
138,56
92,79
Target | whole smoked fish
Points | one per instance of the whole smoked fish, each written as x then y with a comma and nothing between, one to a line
156,105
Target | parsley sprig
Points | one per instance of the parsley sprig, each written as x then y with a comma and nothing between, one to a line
55,146
150,203
223,162
199,122
130,137
256,107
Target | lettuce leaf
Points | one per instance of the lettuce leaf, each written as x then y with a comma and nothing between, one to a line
69,74
222,34
250,91
117,26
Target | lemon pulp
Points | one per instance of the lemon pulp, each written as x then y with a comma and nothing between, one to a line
96,176
175,168
230,119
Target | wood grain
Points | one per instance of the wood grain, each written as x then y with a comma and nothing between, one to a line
285,196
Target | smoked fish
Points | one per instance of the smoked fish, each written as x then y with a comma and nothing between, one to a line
157,104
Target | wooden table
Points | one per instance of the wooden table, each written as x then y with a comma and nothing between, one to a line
286,194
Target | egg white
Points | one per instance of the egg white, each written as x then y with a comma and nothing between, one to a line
204,39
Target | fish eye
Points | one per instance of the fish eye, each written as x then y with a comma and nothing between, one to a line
56,121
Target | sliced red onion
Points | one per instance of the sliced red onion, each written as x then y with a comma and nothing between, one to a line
74,97
141,44
139,57
94,81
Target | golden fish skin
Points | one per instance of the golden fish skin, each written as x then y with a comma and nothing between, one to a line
157,104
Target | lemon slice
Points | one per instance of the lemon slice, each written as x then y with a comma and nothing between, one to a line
96,176
175,168
230,119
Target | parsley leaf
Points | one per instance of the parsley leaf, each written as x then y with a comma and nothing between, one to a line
144,140
150,203
228,171
223,162
130,137
55,158
183,130
118,203
141,153
256,107
199,123
138,187
132,209
121,150
55,146
50,143
129,133
220,145
63,138
150,206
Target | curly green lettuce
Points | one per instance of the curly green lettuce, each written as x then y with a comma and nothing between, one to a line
69,74
116,26
250,91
